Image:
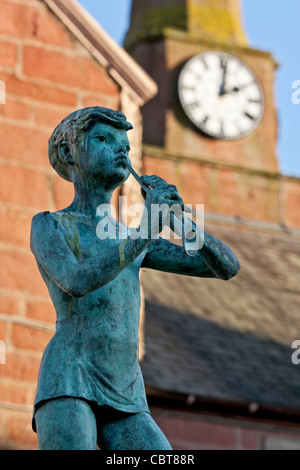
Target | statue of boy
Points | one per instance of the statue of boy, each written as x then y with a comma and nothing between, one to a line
90,388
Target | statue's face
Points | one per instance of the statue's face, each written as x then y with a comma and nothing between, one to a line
105,150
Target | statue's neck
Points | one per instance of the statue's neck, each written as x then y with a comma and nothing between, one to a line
88,198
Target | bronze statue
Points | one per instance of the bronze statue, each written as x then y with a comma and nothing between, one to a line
90,388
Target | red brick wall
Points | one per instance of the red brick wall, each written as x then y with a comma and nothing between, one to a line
290,201
231,191
47,74
191,431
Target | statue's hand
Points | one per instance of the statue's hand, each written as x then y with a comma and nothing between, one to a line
158,202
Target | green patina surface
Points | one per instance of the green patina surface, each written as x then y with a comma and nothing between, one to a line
215,21
93,355
69,221
153,22
122,252
208,19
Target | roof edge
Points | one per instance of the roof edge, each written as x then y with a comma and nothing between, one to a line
119,64
230,409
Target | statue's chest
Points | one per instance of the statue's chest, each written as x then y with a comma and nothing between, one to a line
85,243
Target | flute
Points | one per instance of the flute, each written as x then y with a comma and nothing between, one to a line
192,237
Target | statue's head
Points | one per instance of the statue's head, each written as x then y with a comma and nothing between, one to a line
70,138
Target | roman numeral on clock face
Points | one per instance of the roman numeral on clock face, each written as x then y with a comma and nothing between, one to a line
195,104
216,91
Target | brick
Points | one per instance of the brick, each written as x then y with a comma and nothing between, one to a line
16,392
257,198
51,117
42,311
9,305
42,93
227,185
23,187
2,432
20,366
249,439
14,109
15,226
33,22
8,54
191,178
19,431
79,72
115,201
2,334
29,338
195,183
19,272
290,189
164,168
24,144
198,432
106,101
63,192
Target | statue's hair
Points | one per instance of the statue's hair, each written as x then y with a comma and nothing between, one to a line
73,126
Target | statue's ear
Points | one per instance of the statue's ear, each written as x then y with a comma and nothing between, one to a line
65,153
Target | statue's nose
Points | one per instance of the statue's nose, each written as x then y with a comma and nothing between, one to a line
122,149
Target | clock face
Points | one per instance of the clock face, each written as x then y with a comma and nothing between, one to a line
221,95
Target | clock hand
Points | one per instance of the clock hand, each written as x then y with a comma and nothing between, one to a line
223,91
237,89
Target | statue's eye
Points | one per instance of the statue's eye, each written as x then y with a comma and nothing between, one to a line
102,138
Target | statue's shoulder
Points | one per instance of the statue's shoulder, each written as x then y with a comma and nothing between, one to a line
45,227
39,218
46,219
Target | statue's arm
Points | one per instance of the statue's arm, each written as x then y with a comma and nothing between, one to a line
78,278
214,260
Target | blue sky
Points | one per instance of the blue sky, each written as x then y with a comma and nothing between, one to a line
271,25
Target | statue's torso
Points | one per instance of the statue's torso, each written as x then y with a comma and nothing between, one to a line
94,352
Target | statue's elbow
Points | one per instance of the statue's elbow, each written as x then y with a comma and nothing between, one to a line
73,291
73,287
232,271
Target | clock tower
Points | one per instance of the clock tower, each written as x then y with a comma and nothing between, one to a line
216,94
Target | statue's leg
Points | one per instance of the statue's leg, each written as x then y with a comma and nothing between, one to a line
66,424
131,432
